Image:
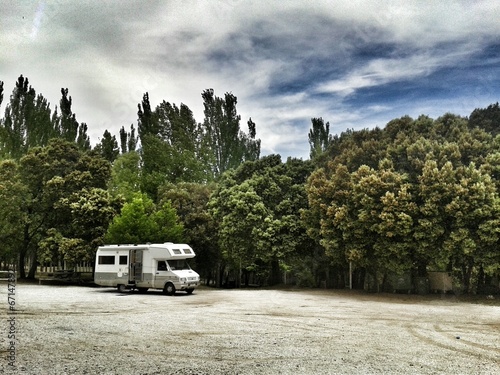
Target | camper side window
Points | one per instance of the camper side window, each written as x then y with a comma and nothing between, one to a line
162,266
123,259
106,259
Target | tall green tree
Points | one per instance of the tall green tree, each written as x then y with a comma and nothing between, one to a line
128,140
69,128
68,124
329,199
89,213
147,123
27,121
258,209
13,195
319,137
180,134
17,118
83,139
55,176
190,200
473,236
171,146
242,217
152,148
108,147
251,144
222,135
126,176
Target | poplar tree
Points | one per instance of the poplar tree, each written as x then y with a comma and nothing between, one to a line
67,121
227,144
319,137
128,140
108,147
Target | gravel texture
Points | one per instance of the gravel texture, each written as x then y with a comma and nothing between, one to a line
85,330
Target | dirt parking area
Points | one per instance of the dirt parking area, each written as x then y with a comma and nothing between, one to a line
85,330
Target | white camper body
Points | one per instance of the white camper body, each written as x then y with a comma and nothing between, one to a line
142,267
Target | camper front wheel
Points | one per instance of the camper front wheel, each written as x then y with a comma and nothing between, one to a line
169,289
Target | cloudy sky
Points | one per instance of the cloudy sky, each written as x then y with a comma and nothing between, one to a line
357,64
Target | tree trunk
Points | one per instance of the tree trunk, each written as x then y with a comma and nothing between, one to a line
274,277
32,271
22,264
220,275
467,274
481,280
246,274
23,252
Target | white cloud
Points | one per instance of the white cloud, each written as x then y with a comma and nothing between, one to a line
285,61
380,72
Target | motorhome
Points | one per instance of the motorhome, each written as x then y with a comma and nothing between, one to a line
149,266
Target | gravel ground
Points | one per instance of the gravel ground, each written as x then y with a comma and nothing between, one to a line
84,330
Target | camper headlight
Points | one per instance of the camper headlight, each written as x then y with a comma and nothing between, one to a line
183,279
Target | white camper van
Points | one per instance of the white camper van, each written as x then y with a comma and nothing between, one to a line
157,266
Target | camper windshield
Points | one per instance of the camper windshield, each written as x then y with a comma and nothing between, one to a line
178,264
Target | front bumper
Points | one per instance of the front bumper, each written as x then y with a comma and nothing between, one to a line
187,285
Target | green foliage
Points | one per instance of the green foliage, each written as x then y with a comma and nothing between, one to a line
92,210
68,127
128,140
424,206
141,221
486,118
13,194
304,274
319,137
172,149
416,195
65,195
108,148
126,176
48,252
242,230
190,201
222,136
258,209
29,122
175,148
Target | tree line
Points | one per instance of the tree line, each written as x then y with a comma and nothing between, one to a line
416,195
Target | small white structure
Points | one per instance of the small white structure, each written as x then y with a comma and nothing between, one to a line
156,266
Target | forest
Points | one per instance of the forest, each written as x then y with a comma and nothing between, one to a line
409,197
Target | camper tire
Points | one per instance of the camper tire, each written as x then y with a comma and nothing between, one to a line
169,289
121,288
190,291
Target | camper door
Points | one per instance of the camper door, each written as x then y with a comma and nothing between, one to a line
136,265
161,273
